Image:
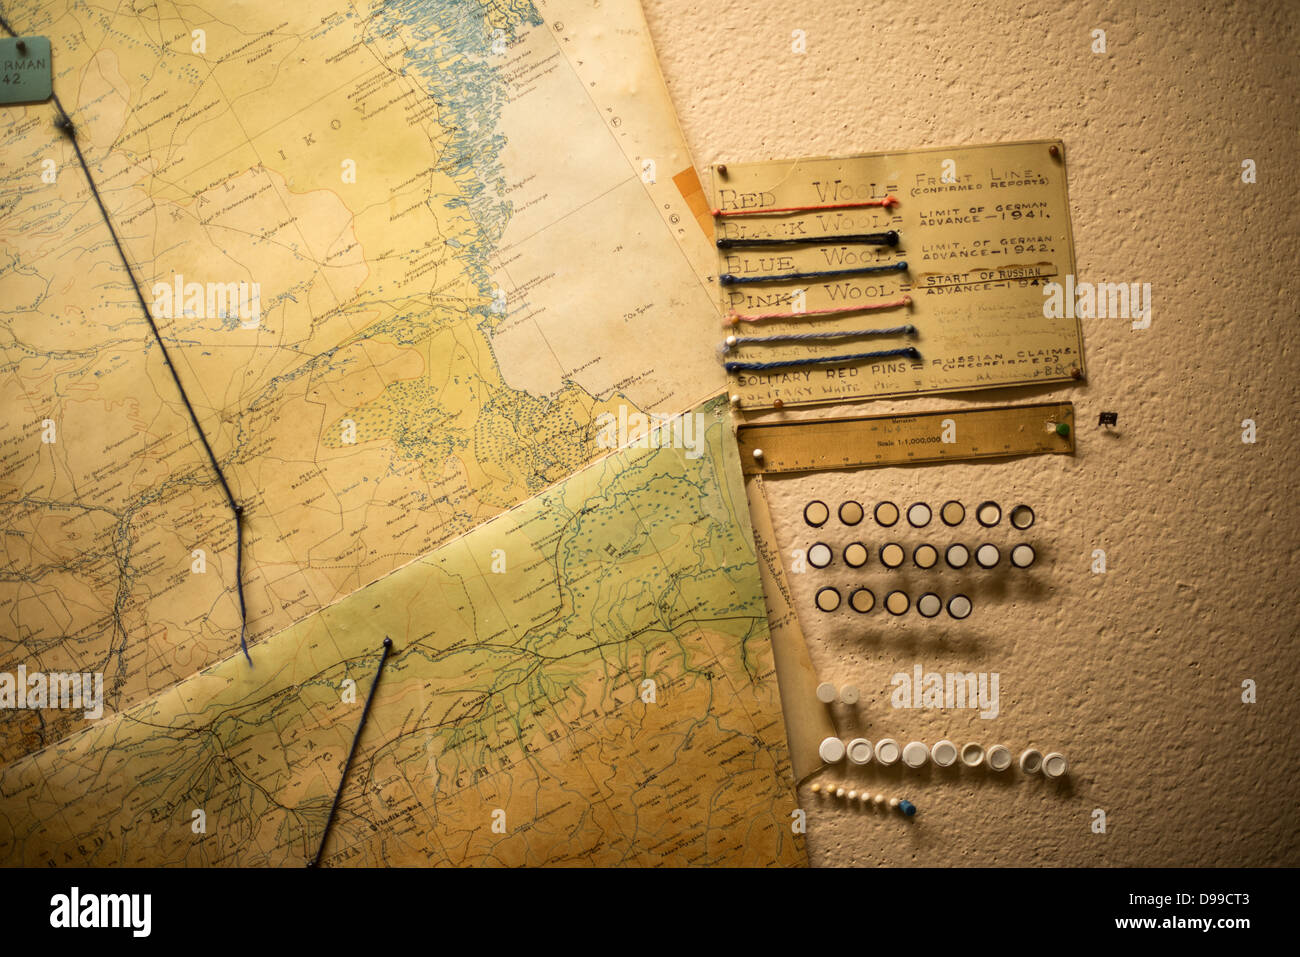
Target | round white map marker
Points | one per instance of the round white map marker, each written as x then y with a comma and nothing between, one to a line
860,751
944,753
831,750
915,754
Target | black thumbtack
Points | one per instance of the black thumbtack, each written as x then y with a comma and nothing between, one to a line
1108,419
22,47
356,739
65,124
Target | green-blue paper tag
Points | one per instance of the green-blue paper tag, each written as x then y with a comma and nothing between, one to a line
25,75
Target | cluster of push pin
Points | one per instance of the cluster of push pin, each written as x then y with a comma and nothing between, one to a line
925,556
865,798
915,754
887,750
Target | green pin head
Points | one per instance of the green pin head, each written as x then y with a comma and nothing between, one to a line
1063,429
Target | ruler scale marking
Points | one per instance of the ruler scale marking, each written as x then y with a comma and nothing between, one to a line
810,445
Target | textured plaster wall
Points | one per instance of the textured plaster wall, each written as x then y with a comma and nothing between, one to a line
1135,674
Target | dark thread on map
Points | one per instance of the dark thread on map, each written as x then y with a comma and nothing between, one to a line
909,353
356,739
64,124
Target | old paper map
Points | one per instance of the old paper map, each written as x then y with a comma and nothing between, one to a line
585,679
980,230
404,254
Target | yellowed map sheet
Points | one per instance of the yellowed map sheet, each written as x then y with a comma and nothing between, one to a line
586,679
979,231
473,232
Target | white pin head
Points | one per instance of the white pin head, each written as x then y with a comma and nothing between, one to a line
831,750
1054,764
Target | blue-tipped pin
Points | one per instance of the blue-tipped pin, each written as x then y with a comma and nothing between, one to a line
907,807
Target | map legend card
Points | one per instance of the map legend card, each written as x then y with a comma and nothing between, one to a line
945,251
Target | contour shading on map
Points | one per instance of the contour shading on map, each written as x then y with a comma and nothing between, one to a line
604,696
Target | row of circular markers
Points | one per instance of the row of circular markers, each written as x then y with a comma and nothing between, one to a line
943,753
862,600
892,555
816,513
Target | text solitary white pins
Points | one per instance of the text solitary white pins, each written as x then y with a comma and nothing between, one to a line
915,754
758,455
972,754
998,757
849,694
825,692
944,753
735,402
819,555
1031,761
860,751
1022,556
1054,764
987,555
831,750
887,751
